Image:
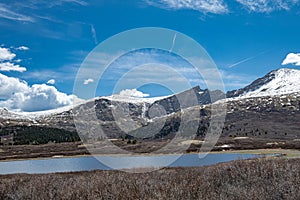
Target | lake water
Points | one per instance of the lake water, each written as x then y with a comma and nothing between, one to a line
87,163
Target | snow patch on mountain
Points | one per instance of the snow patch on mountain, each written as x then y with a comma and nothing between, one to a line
6,114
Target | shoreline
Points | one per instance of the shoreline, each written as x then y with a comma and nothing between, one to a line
288,153
289,148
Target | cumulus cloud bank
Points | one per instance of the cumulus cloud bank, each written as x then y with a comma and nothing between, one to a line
292,58
17,95
133,93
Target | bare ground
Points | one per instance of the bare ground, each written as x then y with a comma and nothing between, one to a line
8,152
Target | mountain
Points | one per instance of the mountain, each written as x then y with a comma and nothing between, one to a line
267,108
277,82
186,99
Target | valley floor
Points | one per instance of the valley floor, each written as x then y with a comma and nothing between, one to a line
239,144
267,178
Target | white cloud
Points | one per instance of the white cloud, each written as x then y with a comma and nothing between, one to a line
205,6
88,81
6,54
267,6
10,86
9,14
51,81
7,66
18,95
43,97
133,93
292,58
22,48
7,62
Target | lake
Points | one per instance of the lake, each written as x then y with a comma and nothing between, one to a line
87,163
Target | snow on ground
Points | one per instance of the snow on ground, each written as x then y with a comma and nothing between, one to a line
45,112
6,114
128,99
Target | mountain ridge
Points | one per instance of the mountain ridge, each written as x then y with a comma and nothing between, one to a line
243,113
277,82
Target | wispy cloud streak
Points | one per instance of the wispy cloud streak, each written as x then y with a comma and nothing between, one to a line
246,59
173,42
267,6
204,6
94,34
9,14
241,62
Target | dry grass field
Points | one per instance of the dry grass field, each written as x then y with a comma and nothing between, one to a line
273,178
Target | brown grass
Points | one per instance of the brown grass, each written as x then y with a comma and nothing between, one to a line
251,179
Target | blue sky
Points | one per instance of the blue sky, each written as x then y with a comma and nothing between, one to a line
246,39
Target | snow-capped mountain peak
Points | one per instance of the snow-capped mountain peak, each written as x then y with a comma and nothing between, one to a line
277,82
